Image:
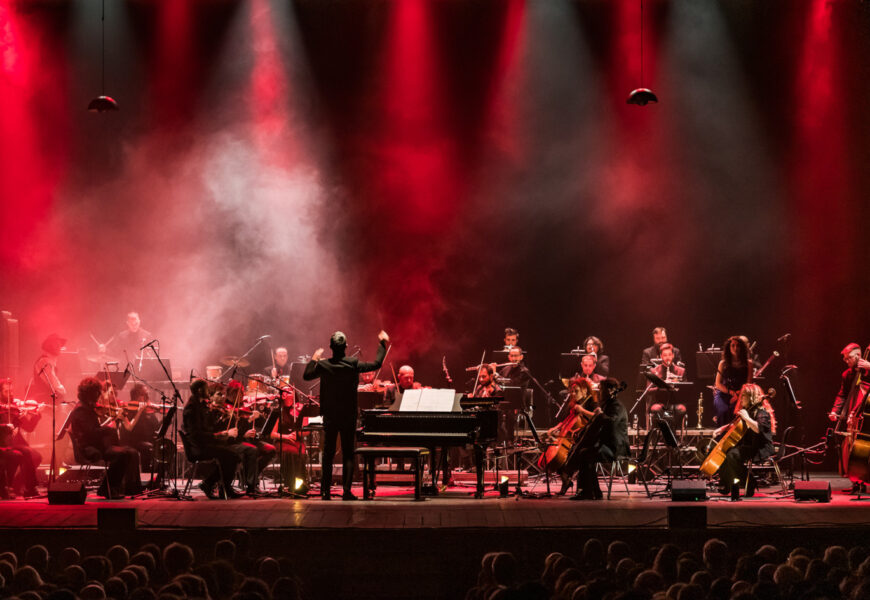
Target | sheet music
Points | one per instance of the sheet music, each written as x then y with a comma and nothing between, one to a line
410,400
437,400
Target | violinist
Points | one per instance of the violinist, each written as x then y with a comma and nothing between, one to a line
95,442
14,420
603,439
239,424
756,444
143,428
486,384
204,441
287,434
844,406
735,370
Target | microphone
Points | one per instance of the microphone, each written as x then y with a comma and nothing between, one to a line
191,376
783,338
148,345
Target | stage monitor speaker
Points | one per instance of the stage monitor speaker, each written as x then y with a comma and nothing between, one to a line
820,491
66,492
116,519
687,517
688,490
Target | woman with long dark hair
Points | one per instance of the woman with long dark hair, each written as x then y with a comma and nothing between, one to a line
735,370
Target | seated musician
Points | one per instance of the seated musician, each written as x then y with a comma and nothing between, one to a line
97,439
669,372
735,370
516,373
405,379
651,354
604,438
511,338
205,441
10,461
254,453
756,444
579,408
140,432
18,419
486,384
594,346
587,370
842,410
287,435
282,364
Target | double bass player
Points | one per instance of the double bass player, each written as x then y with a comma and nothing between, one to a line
847,404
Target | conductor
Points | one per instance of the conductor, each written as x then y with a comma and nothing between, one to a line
339,377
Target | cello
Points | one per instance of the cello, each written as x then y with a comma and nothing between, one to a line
556,454
856,445
731,438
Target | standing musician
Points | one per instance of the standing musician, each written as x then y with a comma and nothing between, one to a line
14,420
594,346
282,364
756,444
143,429
129,342
511,338
287,434
735,370
45,378
604,438
339,377
96,439
230,415
204,441
846,407
660,336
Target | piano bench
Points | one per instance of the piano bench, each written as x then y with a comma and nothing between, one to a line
368,454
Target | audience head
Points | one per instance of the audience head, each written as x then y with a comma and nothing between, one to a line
177,559
37,557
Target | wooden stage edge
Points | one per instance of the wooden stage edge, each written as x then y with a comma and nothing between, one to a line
395,509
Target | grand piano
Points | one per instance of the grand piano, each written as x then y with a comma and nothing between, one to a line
476,426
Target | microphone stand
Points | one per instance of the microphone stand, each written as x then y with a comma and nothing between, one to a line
176,400
281,492
52,469
235,365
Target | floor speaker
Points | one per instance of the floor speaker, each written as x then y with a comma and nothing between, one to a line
66,492
820,491
688,490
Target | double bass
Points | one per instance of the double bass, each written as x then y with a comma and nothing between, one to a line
731,438
856,446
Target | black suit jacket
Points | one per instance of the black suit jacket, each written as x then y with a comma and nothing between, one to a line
653,352
339,378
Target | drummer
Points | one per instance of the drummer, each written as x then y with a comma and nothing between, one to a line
281,366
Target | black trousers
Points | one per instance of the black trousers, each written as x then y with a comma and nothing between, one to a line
122,475
734,467
263,455
227,459
583,460
30,459
331,432
10,461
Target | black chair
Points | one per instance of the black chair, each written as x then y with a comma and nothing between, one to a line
773,461
92,466
194,461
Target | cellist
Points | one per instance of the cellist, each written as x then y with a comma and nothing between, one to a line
847,403
580,408
756,444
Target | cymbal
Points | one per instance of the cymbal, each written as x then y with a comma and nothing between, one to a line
101,358
233,361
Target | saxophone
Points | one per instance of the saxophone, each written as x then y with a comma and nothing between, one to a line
700,410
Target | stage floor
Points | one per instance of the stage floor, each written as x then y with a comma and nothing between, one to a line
395,508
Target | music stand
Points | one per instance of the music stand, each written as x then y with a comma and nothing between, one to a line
152,370
708,363
118,378
673,446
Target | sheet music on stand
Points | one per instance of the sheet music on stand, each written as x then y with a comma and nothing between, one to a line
428,400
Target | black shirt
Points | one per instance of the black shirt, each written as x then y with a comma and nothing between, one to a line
339,378
198,424
86,431
614,432
653,352
761,442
